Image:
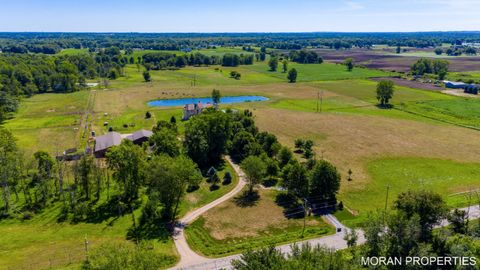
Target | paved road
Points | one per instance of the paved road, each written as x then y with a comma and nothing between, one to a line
187,255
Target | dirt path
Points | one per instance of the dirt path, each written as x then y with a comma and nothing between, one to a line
187,255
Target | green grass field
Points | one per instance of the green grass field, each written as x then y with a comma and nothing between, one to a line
320,72
222,232
413,146
400,174
49,122
43,242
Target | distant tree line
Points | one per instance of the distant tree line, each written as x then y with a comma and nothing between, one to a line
166,60
428,66
29,74
49,43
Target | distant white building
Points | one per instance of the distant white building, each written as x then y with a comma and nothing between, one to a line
190,110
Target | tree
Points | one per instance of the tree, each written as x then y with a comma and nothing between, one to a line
169,178
284,156
438,51
351,237
324,180
292,75
385,89
206,137
295,180
398,50
458,221
216,96
349,63
165,141
273,63
173,120
10,163
242,145
227,178
299,144
254,169
285,65
127,161
429,207
148,115
84,170
146,76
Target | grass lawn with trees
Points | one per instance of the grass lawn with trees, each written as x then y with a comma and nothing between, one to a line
407,147
221,231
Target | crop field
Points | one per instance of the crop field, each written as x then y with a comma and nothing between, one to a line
379,59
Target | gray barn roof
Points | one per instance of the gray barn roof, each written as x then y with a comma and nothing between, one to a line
140,134
108,140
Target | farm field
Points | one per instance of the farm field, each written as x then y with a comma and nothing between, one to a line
384,60
406,147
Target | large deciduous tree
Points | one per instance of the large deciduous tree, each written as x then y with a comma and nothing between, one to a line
429,207
385,90
325,180
254,168
127,161
206,137
169,178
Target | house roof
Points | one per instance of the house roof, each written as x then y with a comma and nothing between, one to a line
108,140
139,134
199,105
455,83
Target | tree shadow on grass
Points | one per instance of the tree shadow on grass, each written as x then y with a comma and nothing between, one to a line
386,106
113,208
149,229
292,208
247,199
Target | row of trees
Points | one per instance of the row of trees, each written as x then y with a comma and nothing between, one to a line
424,66
408,232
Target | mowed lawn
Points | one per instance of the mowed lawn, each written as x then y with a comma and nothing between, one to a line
231,228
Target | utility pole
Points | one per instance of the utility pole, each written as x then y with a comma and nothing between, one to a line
321,101
386,202
86,248
304,215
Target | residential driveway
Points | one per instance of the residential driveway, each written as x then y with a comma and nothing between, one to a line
187,255
190,260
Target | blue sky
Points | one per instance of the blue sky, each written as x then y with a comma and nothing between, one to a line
239,15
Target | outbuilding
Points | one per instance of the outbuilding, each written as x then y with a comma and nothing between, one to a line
139,137
104,142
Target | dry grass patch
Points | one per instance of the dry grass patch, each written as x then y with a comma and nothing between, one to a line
350,141
229,220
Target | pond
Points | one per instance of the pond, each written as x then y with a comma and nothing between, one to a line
223,100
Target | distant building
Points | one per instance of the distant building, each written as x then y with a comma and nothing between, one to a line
104,142
455,85
140,136
472,89
111,139
190,110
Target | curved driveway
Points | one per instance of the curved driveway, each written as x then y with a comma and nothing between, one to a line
189,257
